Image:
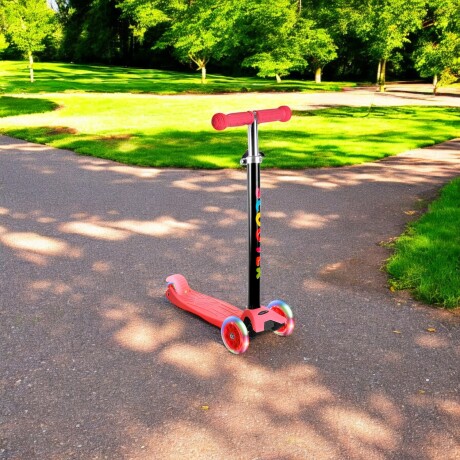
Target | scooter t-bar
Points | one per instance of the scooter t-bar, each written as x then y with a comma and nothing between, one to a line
252,159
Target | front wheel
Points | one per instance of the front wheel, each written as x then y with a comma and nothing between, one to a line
282,308
235,335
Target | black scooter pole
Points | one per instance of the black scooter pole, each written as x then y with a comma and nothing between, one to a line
252,161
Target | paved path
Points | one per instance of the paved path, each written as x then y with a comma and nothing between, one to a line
96,364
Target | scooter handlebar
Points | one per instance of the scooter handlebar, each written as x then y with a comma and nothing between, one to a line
282,113
221,121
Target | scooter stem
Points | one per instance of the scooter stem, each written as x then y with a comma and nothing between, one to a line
252,161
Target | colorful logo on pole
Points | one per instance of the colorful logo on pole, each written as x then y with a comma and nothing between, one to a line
258,274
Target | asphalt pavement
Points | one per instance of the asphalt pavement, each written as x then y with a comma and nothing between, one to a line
96,364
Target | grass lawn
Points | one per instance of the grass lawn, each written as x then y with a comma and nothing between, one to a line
427,256
176,131
58,77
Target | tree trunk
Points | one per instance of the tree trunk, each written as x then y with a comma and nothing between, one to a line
278,78
31,67
318,75
203,74
383,66
435,84
379,69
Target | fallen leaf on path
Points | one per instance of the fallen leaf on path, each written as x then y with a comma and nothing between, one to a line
431,329
397,332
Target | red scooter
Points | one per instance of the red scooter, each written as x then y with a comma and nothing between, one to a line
236,324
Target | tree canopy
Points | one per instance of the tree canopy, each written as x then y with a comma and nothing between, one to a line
27,23
272,38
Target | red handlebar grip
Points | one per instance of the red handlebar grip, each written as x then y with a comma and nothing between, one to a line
221,121
282,113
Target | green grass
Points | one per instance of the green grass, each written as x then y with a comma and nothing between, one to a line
57,78
164,131
12,106
427,257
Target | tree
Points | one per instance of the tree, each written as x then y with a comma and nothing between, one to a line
385,25
273,38
143,14
28,23
94,31
201,30
438,52
439,60
316,46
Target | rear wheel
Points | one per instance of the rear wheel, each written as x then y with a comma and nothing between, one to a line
283,309
235,335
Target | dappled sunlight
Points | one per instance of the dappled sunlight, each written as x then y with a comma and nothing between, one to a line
330,268
30,242
101,266
182,439
451,408
392,357
193,359
96,228
385,408
360,434
299,178
304,220
106,166
441,446
292,390
46,220
214,182
313,284
46,288
23,147
315,422
143,336
164,226
231,217
275,214
219,249
413,167
212,209
135,332
33,215
49,286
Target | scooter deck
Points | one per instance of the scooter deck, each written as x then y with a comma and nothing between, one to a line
212,310
216,311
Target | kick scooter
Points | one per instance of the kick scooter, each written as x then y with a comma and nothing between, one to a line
238,324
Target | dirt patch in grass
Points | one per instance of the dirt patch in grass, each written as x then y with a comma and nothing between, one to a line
56,130
116,137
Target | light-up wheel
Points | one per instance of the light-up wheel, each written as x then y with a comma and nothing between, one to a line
283,309
235,335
